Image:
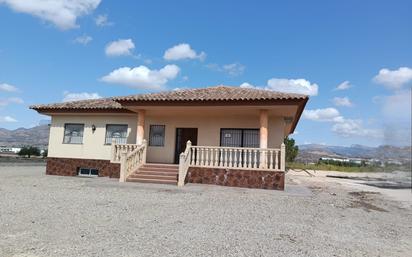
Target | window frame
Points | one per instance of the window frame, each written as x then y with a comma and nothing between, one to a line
242,130
150,135
105,134
64,133
90,172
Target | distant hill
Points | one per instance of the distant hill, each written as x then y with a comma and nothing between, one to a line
36,136
312,152
39,136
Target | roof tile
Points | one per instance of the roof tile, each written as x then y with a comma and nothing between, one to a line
217,93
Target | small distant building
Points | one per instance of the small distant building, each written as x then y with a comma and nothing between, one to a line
9,149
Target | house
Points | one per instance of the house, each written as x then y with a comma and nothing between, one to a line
9,149
216,135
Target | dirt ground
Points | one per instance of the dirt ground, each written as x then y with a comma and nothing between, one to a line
315,216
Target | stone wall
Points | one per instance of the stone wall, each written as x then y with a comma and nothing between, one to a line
70,166
237,178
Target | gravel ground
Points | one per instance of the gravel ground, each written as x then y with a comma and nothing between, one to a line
70,216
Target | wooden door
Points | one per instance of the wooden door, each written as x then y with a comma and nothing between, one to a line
182,136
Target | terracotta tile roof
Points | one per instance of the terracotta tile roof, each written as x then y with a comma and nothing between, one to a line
217,93
92,104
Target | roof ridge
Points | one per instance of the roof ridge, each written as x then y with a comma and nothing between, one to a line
222,93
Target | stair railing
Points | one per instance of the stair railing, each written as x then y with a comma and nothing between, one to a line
184,163
131,161
117,150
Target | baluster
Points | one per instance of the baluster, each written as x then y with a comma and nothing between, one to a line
271,159
230,157
254,164
276,160
206,157
225,157
210,159
221,157
197,156
241,158
249,157
236,164
216,157
202,158
191,156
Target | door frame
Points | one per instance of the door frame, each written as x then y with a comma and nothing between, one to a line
177,154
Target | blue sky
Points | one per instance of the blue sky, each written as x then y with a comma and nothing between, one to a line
82,49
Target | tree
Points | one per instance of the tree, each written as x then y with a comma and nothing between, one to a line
291,149
44,154
29,151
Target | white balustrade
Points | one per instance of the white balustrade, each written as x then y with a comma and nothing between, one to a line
237,157
130,157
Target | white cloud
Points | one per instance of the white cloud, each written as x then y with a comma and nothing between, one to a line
11,100
342,101
182,51
350,128
102,20
326,114
142,77
247,85
342,126
299,86
84,40
8,88
394,79
234,69
120,47
344,85
68,97
7,119
61,13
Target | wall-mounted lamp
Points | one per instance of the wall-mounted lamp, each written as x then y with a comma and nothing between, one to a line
288,120
93,128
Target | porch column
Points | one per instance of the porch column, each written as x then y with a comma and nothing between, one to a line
140,127
263,137
263,128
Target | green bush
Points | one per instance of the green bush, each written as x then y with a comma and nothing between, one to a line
29,151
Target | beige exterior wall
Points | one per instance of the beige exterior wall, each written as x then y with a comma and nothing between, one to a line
208,126
93,146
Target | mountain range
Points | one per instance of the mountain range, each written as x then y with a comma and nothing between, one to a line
312,152
36,136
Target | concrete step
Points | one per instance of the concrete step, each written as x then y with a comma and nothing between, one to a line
153,181
161,165
153,176
158,169
157,173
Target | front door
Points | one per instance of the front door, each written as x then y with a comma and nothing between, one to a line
182,136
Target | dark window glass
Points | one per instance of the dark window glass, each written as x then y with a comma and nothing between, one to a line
239,138
116,132
88,172
157,135
73,133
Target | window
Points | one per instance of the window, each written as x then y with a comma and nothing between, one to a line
116,132
73,133
239,138
86,172
157,135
